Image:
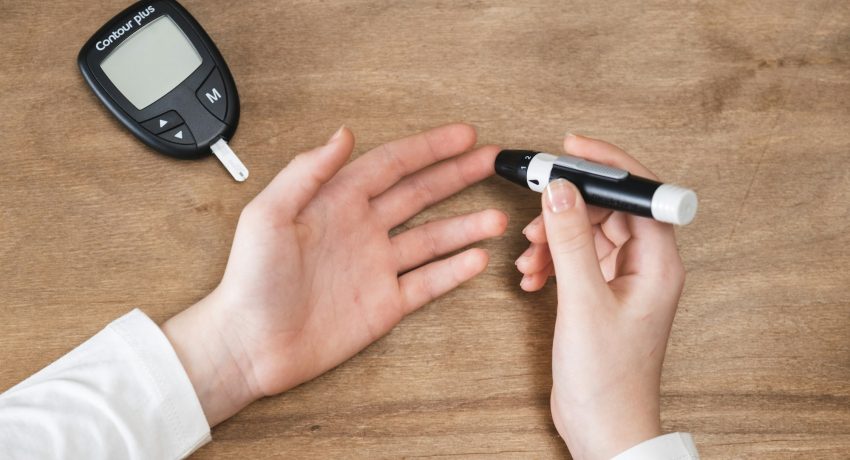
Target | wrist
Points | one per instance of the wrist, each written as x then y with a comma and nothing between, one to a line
220,376
603,429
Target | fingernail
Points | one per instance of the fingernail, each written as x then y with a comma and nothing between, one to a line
528,252
526,279
336,135
561,196
528,227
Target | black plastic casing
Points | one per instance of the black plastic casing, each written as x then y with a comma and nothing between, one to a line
632,194
513,165
205,128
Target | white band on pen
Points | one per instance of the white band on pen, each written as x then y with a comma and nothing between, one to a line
539,171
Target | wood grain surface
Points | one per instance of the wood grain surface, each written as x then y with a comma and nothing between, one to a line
748,102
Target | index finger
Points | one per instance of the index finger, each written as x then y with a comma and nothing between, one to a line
604,152
377,170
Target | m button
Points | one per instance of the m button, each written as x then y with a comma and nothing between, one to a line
213,95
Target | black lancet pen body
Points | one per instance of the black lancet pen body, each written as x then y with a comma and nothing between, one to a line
600,185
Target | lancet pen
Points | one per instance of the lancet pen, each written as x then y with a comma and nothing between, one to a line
600,185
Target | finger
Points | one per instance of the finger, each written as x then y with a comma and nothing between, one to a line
603,245
652,250
549,271
296,185
571,243
377,170
534,259
653,241
535,281
418,191
437,278
536,233
537,257
604,152
616,228
608,264
434,239
643,280
597,215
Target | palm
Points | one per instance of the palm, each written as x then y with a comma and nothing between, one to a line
348,257
319,283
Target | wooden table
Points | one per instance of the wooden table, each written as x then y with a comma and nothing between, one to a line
748,102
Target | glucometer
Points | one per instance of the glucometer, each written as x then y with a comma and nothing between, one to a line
160,74
600,185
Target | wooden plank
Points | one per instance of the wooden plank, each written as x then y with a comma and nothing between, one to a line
745,101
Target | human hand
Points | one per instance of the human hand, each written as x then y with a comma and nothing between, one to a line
314,276
619,278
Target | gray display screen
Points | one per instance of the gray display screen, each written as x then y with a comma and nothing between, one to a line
152,62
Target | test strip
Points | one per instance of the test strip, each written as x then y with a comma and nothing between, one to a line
229,160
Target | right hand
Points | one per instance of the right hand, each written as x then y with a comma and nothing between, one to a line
619,278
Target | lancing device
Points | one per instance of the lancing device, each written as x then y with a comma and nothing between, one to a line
600,185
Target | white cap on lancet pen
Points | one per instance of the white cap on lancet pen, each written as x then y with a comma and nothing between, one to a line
674,205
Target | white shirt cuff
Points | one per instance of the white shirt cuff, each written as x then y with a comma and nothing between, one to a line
673,446
181,410
121,394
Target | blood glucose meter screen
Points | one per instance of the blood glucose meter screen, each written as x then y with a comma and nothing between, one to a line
152,62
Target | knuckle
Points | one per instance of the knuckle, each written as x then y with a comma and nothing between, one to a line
570,241
255,209
299,162
674,269
672,274
259,213
393,161
423,191
426,286
462,172
429,241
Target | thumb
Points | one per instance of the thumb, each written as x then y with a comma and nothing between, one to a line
571,244
296,185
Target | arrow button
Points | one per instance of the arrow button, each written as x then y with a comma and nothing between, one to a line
166,121
179,135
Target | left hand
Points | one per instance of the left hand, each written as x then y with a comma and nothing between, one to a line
314,275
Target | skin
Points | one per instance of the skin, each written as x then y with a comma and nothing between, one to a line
314,275
619,281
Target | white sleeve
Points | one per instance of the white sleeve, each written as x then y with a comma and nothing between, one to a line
673,446
121,394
